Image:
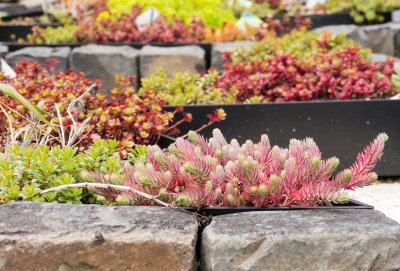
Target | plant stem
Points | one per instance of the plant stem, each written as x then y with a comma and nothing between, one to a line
105,186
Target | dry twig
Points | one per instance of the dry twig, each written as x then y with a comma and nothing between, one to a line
105,186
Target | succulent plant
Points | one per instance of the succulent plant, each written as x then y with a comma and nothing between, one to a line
211,11
363,11
199,173
125,116
305,67
26,171
184,88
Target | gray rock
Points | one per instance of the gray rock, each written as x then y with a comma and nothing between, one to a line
41,54
378,58
3,50
353,32
50,236
396,39
302,240
337,29
218,48
12,8
104,62
182,59
379,38
396,16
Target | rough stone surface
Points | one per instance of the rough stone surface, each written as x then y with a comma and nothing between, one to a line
217,60
12,8
396,39
3,50
49,236
182,59
396,16
302,240
353,32
380,38
383,196
378,58
41,54
104,62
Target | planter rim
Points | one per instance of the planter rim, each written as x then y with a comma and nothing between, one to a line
290,103
216,211
106,43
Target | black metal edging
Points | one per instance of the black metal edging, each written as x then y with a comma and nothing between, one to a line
320,20
340,128
216,211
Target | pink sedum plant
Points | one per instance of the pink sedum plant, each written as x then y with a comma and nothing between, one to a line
203,173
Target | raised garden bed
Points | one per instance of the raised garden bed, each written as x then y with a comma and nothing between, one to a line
340,128
10,32
99,236
319,20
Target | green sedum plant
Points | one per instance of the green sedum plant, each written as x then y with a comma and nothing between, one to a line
302,42
363,11
187,89
211,11
26,171
51,35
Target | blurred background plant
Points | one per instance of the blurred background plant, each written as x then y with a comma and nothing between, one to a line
362,11
211,11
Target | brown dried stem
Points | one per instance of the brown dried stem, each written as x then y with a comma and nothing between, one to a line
105,186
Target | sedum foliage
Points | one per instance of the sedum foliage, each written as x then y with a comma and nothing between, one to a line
199,173
302,42
211,11
187,89
51,35
363,11
24,172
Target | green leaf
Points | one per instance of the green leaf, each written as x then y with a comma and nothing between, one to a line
38,112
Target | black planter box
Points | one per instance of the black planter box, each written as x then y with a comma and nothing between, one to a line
340,128
22,12
164,141
12,46
17,31
216,211
319,20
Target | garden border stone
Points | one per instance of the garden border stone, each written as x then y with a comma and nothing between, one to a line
379,38
218,48
3,50
184,59
51,236
396,39
301,240
41,54
104,62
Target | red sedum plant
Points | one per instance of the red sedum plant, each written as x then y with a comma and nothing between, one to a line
201,173
125,116
122,28
342,73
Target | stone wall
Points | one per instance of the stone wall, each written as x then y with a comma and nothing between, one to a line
50,236
380,38
47,236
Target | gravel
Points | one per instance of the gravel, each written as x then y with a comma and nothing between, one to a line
385,197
